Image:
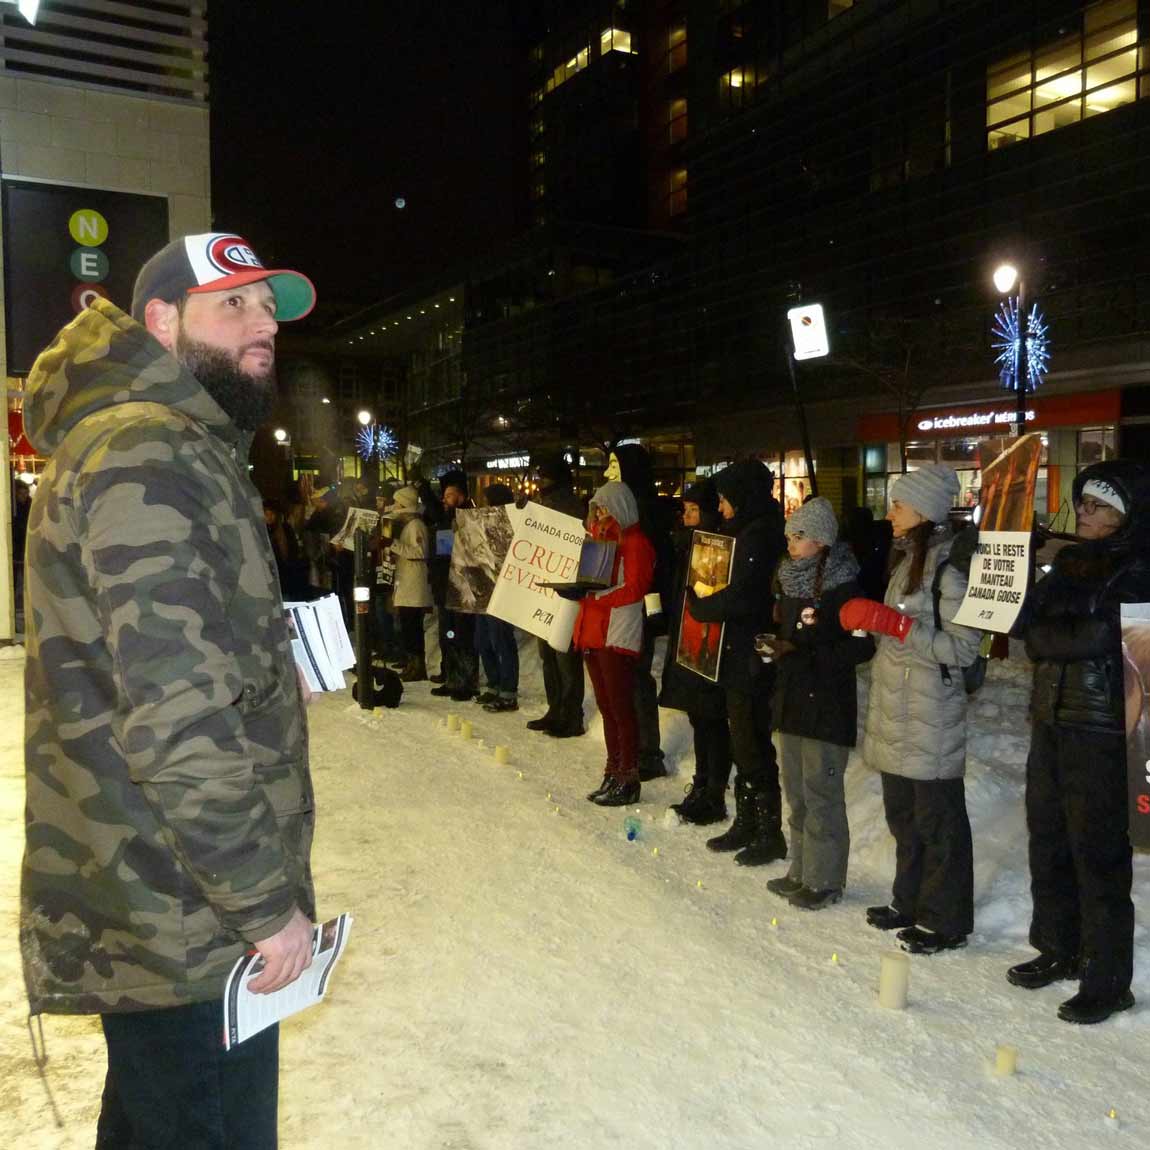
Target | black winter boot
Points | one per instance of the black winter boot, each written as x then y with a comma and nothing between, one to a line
692,799
767,844
742,831
415,671
711,808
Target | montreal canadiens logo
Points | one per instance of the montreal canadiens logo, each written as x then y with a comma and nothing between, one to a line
232,254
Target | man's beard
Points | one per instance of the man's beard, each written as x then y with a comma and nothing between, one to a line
247,399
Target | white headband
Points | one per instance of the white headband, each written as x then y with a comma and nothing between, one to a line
1102,492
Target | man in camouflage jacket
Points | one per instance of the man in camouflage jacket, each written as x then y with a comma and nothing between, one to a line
169,805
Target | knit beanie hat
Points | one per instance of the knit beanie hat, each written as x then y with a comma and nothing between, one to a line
815,520
932,490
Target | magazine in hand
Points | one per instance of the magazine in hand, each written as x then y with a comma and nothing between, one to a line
357,518
247,1013
596,562
320,642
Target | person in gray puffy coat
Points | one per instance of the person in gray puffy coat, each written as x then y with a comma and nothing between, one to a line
915,733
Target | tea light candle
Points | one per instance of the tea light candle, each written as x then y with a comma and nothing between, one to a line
452,722
465,728
502,754
1005,1060
893,980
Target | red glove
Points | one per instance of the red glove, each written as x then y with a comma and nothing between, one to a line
867,615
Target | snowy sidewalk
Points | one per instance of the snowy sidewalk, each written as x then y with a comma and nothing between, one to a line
521,976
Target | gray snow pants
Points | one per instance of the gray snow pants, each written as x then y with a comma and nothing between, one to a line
820,838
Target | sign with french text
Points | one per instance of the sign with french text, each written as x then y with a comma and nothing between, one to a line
544,549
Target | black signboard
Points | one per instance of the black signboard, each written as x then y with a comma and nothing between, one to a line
64,245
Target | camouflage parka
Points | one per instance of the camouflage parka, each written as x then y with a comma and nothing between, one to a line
169,806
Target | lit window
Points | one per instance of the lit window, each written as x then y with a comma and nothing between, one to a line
615,40
838,7
677,120
676,49
677,200
564,72
1075,77
538,159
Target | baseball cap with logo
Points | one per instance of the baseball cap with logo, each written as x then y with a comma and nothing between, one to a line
216,261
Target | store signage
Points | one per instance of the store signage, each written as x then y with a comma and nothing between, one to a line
977,420
809,331
65,247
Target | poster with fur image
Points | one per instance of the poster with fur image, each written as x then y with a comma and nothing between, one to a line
701,644
1136,667
482,539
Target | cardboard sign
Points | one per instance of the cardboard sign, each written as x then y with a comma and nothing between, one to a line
545,549
1136,665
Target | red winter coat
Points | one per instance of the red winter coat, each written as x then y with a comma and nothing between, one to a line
614,618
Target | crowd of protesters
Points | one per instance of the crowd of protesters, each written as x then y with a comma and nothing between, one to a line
806,602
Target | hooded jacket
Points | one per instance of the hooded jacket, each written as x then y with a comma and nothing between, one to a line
169,805
657,521
410,551
613,618
745,604
1073,616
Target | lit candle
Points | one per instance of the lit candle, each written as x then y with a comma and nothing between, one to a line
1005,1060
502,755
453,722
465,728
893,978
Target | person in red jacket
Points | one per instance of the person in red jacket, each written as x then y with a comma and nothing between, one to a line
609,630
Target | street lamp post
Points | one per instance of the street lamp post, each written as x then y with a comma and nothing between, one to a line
1005,278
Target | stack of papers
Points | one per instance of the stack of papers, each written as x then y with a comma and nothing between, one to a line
320,642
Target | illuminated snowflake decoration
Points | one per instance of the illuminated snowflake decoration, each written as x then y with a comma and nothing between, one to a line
1008,343
365,441
376,442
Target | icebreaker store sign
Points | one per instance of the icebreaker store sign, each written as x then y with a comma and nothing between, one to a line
65,247
978,421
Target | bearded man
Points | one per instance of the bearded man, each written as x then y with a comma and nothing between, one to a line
169,805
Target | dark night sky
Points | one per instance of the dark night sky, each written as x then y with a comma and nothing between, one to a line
323,113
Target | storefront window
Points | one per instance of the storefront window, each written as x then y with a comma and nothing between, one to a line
1094,445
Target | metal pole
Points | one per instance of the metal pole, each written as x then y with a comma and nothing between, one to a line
361,593
1022,367
788,347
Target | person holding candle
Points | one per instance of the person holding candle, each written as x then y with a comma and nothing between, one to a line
915,733
609,630
815,708
1076,774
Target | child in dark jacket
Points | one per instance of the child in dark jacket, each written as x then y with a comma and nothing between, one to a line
815,709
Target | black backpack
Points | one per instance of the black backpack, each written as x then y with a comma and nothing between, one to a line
961,553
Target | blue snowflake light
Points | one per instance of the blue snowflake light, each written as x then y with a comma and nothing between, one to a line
1008,344
376,442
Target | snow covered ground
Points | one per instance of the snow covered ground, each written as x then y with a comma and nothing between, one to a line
521,976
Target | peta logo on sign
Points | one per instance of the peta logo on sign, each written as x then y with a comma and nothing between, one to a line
232,254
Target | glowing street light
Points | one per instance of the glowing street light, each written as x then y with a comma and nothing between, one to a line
280,435
364,417
1005,277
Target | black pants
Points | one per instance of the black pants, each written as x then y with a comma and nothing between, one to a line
1080,856
934,858
647,702
749,719
712,752
411,631
459,664
172,1086
563,681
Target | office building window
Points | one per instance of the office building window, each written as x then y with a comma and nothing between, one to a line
616,40
838,7
737,87
677,120
1072,78
677,197
565,71
677,48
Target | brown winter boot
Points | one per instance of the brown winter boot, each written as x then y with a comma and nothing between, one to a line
415,671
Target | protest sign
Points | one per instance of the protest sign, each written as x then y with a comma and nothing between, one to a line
482,539
701,644
1136,666
1000,567
545,548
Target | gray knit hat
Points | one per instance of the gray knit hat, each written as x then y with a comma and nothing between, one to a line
815,520
932,490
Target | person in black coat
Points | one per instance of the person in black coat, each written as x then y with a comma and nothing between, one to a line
1076,783
753,516
815,705
684,690
630,463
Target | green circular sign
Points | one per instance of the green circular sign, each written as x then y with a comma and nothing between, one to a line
89,265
